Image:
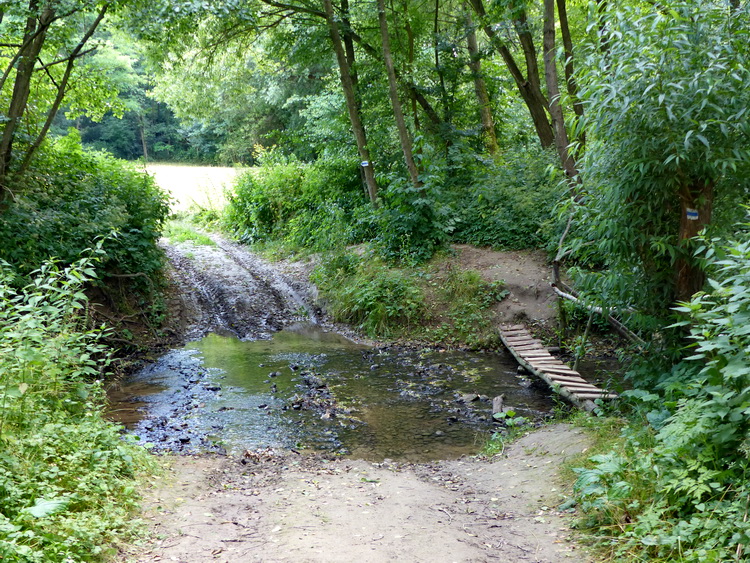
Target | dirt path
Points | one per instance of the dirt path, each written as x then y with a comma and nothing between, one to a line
288,507
225,289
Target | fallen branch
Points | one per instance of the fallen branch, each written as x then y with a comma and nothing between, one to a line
613,322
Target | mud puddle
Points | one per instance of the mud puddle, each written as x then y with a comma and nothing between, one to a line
306,388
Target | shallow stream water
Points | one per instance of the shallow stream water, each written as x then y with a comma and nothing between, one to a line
310,389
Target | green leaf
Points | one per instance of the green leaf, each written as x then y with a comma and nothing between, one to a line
46,507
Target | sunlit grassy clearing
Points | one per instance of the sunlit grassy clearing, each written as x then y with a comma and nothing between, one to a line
201,186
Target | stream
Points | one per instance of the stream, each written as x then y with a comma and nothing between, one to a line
306,388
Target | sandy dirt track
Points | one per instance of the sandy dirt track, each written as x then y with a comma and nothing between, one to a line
273,506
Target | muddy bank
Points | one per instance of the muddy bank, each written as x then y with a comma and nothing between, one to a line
225,289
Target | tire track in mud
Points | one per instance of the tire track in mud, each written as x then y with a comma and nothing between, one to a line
227,290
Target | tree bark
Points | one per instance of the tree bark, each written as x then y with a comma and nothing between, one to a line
438,68
144,144
480,88
34,36
349,46
696,207
403,133
410,67
553,88
528,86
570,80
351,103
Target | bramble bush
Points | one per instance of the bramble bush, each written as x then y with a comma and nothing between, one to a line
67,477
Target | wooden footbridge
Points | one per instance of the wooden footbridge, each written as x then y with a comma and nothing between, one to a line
535,358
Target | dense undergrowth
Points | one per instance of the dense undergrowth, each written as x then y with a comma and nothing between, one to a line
676,486
72,197
321,206
67,477
288,206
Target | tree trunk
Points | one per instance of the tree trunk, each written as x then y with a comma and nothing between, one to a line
528,86
696,207
403,133
349,47
438,67
22,84
555,109
485,109
144,144
351,103
410,68
570,80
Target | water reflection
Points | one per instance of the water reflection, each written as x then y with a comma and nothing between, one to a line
396,403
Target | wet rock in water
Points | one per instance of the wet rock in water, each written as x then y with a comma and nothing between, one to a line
525,382
274,374
468,398
497,404
311,380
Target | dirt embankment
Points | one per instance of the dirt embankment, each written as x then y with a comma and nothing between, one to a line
274,506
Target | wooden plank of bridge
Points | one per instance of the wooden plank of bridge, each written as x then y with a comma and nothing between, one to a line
530,353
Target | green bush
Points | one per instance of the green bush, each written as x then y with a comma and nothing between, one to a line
309,206
679,490
379,300
67,478
511,204
413,223
72,197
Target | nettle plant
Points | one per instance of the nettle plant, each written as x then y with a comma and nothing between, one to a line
66,475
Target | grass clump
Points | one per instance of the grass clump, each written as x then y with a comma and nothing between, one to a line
433,303
67,477
182,231
379,300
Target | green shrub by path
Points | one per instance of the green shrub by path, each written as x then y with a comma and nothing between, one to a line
310,206
67,477
431,303
70,198
677,487
321,206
